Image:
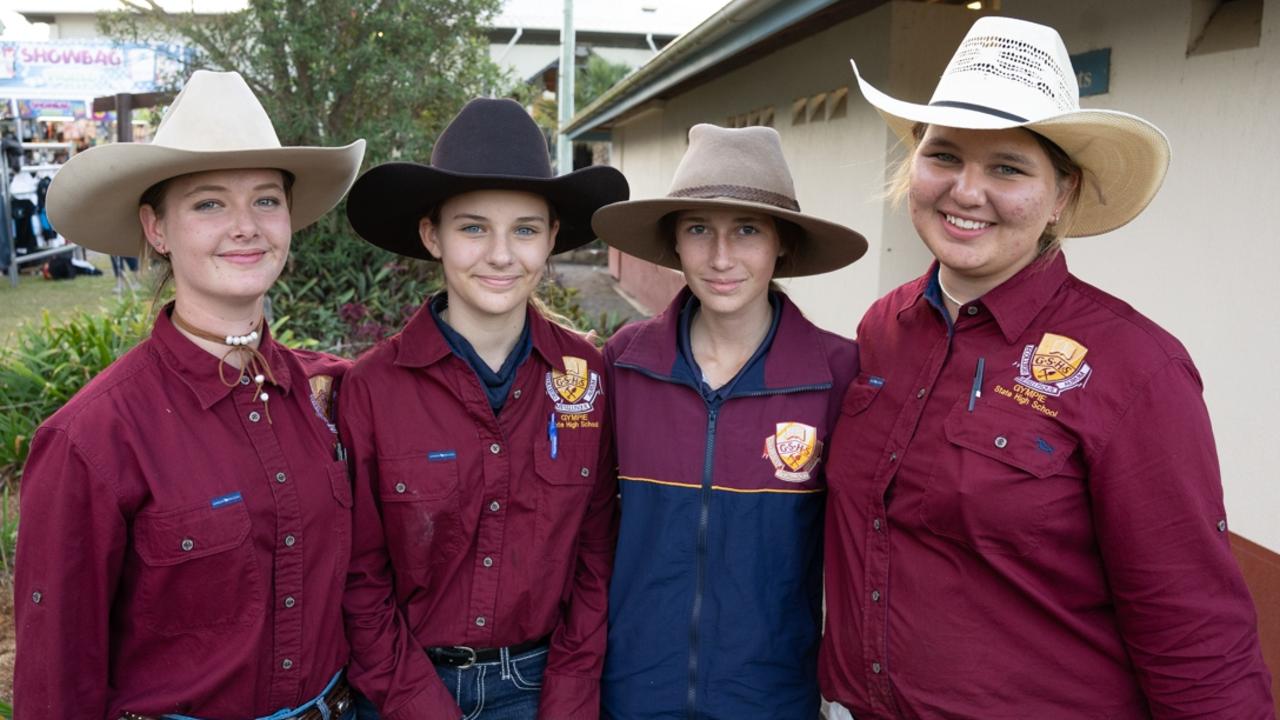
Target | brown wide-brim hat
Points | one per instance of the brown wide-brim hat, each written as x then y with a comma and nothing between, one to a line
490,145
741,168
1010,73
215,123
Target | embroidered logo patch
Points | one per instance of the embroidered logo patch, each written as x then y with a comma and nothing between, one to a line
575,389
1054,366
794,450
322,399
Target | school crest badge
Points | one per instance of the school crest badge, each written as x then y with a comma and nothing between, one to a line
1054,366
794,450
574,389
322,393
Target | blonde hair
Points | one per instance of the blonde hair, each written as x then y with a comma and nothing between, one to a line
1066,169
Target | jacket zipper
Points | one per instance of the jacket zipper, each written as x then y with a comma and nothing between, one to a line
704,516
704,519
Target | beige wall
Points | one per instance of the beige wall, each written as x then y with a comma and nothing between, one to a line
1199,262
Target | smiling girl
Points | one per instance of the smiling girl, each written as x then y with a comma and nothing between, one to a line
485,488
723,404
1026,517
186,521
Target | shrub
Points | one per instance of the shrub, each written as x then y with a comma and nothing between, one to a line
50,361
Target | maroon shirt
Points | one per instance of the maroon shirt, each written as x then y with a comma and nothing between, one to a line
1060,549
470,528
179,553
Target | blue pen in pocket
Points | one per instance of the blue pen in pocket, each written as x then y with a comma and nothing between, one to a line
552,437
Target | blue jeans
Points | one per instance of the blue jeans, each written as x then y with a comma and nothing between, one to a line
507,689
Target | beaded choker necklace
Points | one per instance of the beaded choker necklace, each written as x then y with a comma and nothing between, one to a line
946,294
253,365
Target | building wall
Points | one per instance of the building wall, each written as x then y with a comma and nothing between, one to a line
1200,261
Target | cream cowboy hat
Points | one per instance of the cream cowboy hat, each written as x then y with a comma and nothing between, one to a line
1011,73
729,168
215,123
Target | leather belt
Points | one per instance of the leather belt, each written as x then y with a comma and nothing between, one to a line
461,656
339,699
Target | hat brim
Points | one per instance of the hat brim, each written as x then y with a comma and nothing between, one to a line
93,199
388,202
1124,157
634,227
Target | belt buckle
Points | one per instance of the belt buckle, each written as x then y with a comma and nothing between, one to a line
470,661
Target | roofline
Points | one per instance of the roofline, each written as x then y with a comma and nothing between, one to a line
736,27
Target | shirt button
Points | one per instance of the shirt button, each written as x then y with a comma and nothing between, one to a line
400,487
287,664
972,310
893,457
488,562
254,416
289,540
480,621
1001,441
875,668
281,477
875,596
187,544
1222,526
584,472
493,506
36,597
289,601
920,393
516,393
244,379
876,524
495,448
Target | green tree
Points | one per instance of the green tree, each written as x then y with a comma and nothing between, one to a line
594,77
393,72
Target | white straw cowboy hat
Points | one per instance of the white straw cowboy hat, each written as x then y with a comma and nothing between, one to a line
215,123
729,168
1011,73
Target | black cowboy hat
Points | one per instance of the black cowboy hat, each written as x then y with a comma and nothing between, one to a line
490,145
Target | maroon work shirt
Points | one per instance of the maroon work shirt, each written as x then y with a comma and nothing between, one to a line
475,529
1053,547
178,552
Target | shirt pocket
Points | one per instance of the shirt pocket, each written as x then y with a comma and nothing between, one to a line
420,514
340,484
997,477
564,491
855,443
860,394
198,569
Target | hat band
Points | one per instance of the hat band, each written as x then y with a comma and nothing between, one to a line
978,108
738,192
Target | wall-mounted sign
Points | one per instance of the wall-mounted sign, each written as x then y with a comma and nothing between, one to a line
87,67
1093,71
38,108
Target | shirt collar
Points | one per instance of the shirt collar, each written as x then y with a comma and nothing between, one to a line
795,358
1014,303
199,370
422,344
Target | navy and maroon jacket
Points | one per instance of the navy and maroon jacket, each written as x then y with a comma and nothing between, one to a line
716,601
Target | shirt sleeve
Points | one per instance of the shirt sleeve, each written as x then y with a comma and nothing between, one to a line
387,664
1184,610
70,551
571,683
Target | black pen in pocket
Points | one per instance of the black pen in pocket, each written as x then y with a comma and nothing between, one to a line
977,383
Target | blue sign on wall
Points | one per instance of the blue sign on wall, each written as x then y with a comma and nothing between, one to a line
1093,71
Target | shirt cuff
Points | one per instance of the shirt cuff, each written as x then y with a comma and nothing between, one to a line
566,697
433,703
